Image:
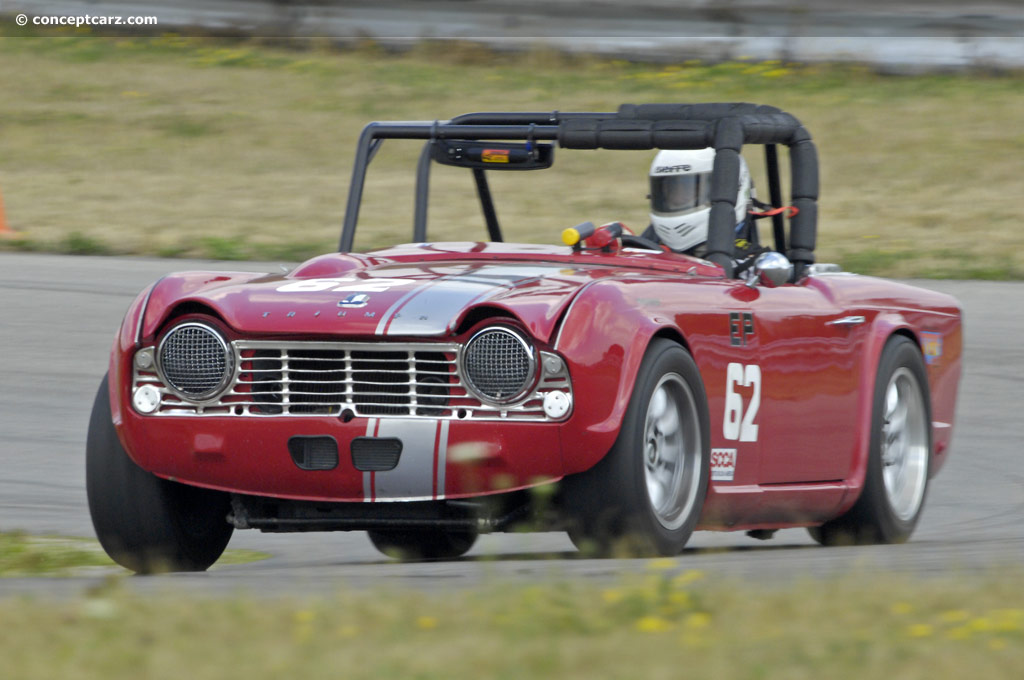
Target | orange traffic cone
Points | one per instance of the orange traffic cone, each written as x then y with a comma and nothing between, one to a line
5,230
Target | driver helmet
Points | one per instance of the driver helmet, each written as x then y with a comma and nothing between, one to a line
681,196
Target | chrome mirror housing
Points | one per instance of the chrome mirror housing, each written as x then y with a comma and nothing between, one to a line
772,269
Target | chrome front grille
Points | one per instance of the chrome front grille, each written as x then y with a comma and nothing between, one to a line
420,380
326,380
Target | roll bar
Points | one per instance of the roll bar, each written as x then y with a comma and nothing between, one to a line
724,126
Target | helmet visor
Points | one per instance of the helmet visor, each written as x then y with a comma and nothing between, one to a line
679,193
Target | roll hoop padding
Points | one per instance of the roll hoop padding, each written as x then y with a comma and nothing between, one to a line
726,128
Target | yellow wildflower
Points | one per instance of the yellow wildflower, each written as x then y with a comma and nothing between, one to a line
687,577
698,620
959,633
920,630
304,616
653,624
426,623
980,625
954,616
611,595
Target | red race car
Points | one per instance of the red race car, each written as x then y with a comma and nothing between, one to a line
609,387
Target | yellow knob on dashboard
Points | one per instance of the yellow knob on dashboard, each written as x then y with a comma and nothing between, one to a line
570,236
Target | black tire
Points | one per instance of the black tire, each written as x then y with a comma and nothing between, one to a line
145,523
422,544
881,515
611,507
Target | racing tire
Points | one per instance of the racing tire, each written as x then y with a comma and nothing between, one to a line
899,455
422,544
644,498
145,523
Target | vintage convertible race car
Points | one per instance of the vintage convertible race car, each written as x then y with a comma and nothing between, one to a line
607,387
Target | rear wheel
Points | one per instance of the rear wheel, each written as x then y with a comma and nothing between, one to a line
145,523
422,544
646,495
899,455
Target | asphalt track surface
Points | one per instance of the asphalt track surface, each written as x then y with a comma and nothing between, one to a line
58,315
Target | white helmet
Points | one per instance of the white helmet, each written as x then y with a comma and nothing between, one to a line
681,196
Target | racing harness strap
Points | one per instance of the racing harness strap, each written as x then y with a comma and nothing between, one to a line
767,210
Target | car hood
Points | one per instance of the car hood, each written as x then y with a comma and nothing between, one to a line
415,290
396,293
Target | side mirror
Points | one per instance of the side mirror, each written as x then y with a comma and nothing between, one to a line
772,269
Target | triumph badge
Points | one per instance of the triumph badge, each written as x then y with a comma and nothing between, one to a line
354,301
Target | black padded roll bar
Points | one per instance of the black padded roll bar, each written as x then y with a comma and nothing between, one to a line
725,127
771,160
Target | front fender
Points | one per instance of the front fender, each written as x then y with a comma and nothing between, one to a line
125,343
603,338
175,289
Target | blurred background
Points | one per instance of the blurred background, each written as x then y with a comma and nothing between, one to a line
227,129
924,32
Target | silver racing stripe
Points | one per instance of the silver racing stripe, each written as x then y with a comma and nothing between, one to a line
413,477
432,311
386,317
442,458
371,426
429,308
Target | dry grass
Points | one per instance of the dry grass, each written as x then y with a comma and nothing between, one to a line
668,623
191,147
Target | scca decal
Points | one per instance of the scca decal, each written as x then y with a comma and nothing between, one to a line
345,285
723,465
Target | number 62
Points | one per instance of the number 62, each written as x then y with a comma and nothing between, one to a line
736,424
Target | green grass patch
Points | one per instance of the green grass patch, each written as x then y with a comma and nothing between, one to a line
233,149
25,555
667,623
77,243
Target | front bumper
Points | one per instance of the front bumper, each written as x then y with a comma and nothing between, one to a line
440,458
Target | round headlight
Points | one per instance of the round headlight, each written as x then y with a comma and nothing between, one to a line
499,364
195,361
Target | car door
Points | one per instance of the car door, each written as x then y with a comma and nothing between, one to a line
723,348
800,399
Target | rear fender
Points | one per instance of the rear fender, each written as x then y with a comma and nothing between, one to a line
883,327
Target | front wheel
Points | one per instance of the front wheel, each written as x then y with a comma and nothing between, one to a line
145,523
899,455
647,494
